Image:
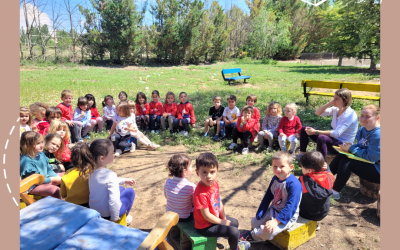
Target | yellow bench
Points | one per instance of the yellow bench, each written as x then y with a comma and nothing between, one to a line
367,87
300,233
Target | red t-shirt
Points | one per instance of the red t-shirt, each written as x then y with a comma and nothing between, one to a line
66,111
289,127
205,197
94,112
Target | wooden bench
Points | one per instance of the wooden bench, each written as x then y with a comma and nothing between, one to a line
234,78
369,189
301,232
189,238
367,87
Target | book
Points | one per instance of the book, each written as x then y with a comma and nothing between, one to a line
351,156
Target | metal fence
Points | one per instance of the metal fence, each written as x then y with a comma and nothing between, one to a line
330,58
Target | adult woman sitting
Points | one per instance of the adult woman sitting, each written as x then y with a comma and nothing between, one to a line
344,125
368,147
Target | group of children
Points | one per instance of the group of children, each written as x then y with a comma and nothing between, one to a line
285,199
245,123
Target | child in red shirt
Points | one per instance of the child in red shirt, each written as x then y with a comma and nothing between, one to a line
142,112
67,114
289,128
185,115
156,110
52,113
96,118
246,129
251,100
169,111
209,215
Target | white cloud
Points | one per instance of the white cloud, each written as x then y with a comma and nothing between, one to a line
33,11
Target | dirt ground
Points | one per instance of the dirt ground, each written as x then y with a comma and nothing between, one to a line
351,224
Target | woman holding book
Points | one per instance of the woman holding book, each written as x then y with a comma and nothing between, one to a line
368,148
344,125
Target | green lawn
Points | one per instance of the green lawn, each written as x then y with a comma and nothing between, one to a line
279,82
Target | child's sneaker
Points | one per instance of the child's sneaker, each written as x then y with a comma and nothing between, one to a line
81,140
245,151
244,245
151,147
246,236
171,131
152,131
259,148
185,133
181,133
335,196
233,145
157,131
318,228
293,153
269,149
133,148
129,220
216,137
155,145
86,137
118,152
256,138
206,134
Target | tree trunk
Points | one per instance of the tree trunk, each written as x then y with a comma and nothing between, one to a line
340,61
20,49
72,36
28,31
372,66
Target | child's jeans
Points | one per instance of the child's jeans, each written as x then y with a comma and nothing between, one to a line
282,142
231,232
75,132
120,142
131,140
127,196
87,129
155,122
99,122
170,119
109,124
185,122
222,127
245,136
257,226
143,122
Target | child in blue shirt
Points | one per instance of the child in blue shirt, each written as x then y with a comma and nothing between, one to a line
285,192
82,117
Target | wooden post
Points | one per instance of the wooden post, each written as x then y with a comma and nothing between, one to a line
369,189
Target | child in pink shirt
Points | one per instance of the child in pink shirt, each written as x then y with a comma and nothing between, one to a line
289,128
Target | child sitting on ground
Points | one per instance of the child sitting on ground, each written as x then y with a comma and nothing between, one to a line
156,110
285,193
289,128
52,114
96,118
106,196
185,115
38,110
245,129
61,128
109,111
142,112
229,118
251,100
317,185
214,115
25,120
135,133
75,182
169,111
178,190
53,144
33,161
67,115
123,96
82,117
209,215
270,124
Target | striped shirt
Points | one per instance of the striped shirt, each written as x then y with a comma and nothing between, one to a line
179,194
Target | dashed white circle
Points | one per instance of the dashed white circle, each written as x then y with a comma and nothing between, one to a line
4,162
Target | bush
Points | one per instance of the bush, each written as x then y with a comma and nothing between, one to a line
269,61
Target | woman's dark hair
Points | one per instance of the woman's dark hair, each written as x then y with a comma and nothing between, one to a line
155,92
50,137
82,159
207,160
177,164
140,94
90,97
83,101
312,160
123,92
106,99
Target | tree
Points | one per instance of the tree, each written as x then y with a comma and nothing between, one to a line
29,22
268,34
220,37
71,9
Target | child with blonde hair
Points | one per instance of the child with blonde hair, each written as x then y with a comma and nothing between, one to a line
61,128
289,128
25,120
272,118
67,114
33,161
38,110
178,190
53,148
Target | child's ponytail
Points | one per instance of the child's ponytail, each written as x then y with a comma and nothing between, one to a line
82,159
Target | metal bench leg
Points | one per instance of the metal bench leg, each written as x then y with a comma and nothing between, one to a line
244,80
